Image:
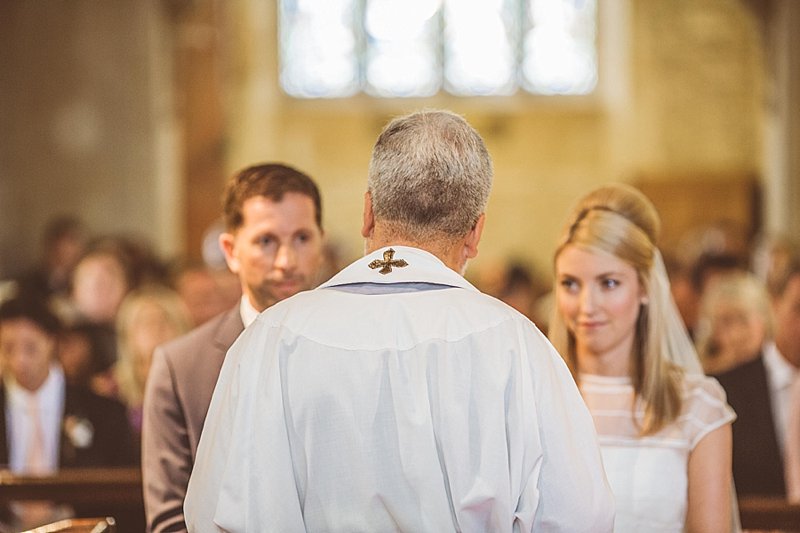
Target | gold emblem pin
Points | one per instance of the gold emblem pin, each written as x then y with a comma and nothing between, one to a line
388,262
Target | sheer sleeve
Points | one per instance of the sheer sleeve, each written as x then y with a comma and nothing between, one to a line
706,408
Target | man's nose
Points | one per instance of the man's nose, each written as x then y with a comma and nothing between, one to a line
285,258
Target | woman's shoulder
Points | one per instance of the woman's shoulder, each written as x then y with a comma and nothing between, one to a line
698,386
705,407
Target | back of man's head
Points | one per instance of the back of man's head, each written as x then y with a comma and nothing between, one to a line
271,180
430,176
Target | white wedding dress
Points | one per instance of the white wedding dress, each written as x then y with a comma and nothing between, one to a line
649,475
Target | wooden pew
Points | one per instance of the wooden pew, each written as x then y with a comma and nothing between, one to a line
78,525
92,492
769,514
117,492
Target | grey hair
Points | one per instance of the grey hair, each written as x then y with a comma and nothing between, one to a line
430,174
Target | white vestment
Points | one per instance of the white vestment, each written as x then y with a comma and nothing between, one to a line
397,401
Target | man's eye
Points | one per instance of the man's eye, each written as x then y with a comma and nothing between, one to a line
265,241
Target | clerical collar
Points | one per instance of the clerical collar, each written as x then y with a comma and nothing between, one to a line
399,264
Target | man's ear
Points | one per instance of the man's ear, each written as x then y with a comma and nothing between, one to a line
369,217
474,237
227,241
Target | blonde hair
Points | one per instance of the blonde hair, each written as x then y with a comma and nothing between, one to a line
131,388
742,290
620,220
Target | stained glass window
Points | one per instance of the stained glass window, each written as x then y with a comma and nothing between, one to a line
415,48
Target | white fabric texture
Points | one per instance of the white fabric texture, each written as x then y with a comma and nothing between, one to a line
649,475
436,410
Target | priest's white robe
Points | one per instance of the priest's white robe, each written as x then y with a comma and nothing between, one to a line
397,401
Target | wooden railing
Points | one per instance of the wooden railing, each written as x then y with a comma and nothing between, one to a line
107,486
118,492
91,492
769,514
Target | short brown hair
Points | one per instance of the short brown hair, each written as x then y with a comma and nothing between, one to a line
271,180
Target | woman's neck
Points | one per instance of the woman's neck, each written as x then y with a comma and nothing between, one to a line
613,363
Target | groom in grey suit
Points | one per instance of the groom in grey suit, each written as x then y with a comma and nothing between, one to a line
273,243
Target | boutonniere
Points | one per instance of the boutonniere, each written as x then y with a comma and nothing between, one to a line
79,431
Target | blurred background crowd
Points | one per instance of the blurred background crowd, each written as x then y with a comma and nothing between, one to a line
116,300
122,122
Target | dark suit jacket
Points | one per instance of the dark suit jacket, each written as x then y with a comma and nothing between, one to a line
757,461
112,443
179,388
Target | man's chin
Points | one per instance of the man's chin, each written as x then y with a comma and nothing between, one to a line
285,290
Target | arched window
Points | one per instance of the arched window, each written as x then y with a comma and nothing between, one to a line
417,48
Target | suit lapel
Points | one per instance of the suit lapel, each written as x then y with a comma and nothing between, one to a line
229,330
66,450
757,462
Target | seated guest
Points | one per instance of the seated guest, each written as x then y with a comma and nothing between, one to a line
48,424
734,335
99,283
701,254
206,291
63,243
86,353
522,290
148,317
760,392
792,456
782,357
734,323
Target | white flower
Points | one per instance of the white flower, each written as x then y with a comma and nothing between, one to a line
80,431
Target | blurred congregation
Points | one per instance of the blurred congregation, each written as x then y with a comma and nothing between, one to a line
123,124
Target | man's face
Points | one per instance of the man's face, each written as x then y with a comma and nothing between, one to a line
277,251
26,351
786,309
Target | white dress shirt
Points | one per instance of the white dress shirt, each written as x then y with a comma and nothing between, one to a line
780,374
405,401
50,397
247,311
